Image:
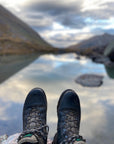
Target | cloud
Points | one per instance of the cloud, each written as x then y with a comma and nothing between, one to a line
54,8
64,38
38,21
54,19
61,12
71,14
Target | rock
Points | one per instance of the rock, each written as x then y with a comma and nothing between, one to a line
100,59
90,80
2,138
109,64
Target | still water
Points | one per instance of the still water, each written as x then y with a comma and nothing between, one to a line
55,73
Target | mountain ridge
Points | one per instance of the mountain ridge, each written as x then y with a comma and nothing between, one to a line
17,37
92,46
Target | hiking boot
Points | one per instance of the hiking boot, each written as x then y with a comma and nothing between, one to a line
35,130
69,115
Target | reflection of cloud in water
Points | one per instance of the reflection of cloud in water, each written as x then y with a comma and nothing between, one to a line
54,79
12,122
62,66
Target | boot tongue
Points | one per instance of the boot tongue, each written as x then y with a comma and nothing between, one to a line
28,138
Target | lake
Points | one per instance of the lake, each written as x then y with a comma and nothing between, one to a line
56,73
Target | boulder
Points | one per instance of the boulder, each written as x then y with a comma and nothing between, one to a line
90,80
100,59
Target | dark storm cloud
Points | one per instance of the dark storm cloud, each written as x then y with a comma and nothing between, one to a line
72,21
53,8
66,14
38,21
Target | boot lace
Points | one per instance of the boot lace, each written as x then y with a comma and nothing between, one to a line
73,139
39,132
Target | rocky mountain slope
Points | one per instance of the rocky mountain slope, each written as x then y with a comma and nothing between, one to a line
94,46
16,37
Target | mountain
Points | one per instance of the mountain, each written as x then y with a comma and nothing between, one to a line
16,37
94,46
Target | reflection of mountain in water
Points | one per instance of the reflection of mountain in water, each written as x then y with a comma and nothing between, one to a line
11,64
110,71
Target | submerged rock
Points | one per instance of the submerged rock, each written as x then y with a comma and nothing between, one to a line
90,80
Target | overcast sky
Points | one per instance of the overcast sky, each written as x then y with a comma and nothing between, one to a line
65,22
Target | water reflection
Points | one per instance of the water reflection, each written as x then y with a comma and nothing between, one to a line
10,64
55,74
